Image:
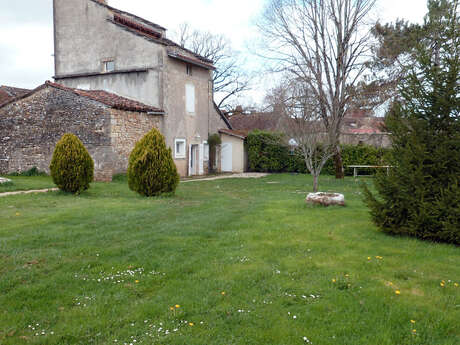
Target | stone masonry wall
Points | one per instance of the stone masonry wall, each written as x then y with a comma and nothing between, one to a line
127,128
30,129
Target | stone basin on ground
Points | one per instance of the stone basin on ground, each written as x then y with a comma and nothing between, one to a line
326,199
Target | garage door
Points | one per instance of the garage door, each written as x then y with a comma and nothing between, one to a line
227,157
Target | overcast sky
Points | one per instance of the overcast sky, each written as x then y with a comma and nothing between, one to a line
26,28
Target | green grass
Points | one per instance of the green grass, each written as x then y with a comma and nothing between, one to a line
27,183
272,255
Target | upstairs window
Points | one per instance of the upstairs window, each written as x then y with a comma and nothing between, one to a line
190,98
109,66
189,70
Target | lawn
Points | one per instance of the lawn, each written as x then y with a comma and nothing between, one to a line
27,183
223,262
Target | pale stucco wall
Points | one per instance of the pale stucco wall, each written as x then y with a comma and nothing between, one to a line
84,38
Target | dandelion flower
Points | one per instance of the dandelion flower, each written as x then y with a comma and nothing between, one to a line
456,284
222,293
191,324
171,308
442,284
333,280
368,258
397,292
414,331
412,321
177,306
137,281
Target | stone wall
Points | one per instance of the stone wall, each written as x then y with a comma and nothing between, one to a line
126,129
31,127
373,139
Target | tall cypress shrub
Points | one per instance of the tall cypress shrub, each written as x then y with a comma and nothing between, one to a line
421,196
151,170
72,168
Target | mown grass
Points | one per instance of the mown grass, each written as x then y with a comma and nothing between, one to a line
27,183
246,261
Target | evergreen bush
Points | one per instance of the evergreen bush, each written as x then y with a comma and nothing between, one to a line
72,168
151,170
268,152
421,196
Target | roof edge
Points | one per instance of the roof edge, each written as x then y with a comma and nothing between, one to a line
96,74
222,116
145,21
232,134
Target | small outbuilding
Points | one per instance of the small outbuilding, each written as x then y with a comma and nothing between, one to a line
233,154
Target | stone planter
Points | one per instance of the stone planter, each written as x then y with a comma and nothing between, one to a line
4,180
326,199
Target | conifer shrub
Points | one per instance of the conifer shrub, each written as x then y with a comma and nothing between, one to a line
421,195
72,168
151,170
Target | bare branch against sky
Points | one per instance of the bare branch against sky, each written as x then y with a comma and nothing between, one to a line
26,30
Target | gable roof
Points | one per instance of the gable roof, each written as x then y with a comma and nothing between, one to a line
110,99
8,93
116,10
262,121
147,31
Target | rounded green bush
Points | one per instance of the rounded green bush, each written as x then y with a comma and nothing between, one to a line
151,170
72,168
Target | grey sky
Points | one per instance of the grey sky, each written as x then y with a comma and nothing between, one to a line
26,28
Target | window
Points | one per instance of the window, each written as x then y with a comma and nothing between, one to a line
189,70
190,98
179,148
205,151
109,66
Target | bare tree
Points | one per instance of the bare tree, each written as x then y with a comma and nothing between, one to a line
324,43
302,122
229,78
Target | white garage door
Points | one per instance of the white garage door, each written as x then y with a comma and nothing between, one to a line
227,157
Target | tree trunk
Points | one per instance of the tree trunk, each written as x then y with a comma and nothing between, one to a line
315,183
339,174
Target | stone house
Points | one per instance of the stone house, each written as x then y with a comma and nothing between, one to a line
108,125
102,53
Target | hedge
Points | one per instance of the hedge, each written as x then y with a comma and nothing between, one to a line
267,152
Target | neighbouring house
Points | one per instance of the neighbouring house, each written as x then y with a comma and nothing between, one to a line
359,126
116,76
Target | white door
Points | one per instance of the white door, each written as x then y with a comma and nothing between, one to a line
226,157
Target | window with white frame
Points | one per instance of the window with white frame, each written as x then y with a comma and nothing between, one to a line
180,148
205,151
190,98
109,66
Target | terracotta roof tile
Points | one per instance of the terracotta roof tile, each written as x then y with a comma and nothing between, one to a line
110,99
250,122
8,93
